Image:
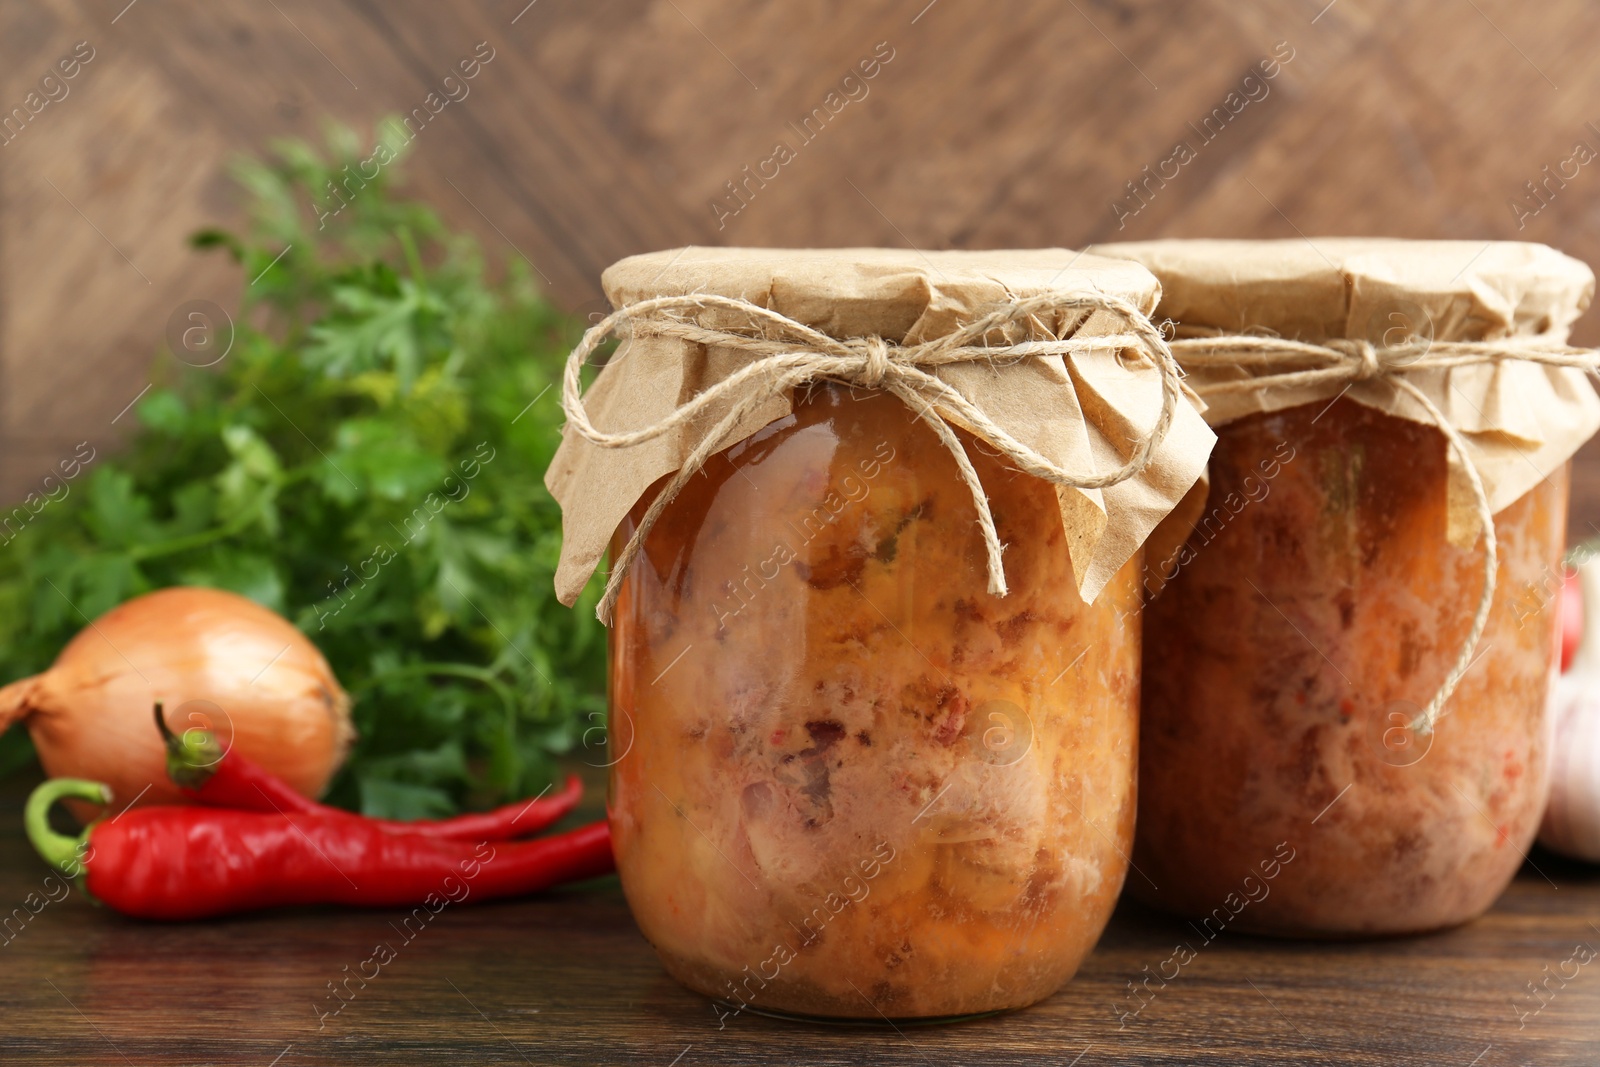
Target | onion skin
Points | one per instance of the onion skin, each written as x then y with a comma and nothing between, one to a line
89,714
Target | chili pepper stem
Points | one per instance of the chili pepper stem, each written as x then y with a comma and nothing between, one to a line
63,853
161,724
192,756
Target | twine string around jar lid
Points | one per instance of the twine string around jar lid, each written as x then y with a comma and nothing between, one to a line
1276,363
784,354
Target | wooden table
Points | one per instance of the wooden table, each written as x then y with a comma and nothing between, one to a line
567,979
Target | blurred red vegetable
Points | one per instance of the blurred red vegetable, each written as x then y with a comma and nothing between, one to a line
1571,614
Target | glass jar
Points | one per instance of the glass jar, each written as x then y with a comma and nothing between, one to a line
1315,610
848,781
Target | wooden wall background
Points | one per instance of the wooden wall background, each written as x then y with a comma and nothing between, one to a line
608,127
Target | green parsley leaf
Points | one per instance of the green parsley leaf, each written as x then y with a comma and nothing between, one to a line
367,460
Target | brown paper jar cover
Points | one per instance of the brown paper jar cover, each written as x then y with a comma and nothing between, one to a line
846,780
1329,585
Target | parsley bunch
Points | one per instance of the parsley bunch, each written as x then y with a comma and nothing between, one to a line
367,459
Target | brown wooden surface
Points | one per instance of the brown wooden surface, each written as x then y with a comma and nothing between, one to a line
607,128
567,979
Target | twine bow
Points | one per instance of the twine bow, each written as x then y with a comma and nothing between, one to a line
784,354
1276,363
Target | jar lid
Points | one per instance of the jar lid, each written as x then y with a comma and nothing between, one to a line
1367,288
1472,331
1046,354
900,294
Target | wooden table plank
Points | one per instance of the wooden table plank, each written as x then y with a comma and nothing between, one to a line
567,979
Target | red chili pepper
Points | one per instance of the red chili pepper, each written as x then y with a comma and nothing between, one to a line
206,772
193,863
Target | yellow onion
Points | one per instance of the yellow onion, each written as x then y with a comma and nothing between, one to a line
217,661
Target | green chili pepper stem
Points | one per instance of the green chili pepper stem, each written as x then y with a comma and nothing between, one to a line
161,724
192,756
63,853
